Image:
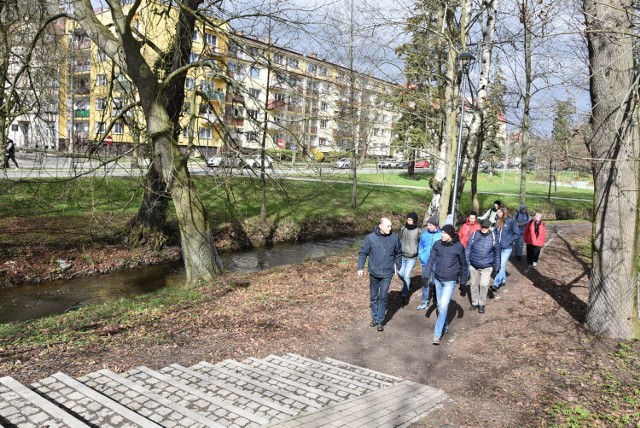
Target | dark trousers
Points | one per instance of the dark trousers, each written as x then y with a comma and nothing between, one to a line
379,294
533,252
11,156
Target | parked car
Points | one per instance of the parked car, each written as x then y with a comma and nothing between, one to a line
422,163
403,165
343,163
218,161
254,162
387,163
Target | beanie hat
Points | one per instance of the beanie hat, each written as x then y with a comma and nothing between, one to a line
485,223
497,202
413,216
449,229
434,221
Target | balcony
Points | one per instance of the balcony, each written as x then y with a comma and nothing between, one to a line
214,95
82,113
82,68
81,89
234,121
276,105
234,97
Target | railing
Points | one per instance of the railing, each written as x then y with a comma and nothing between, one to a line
81,90
276,105
82,113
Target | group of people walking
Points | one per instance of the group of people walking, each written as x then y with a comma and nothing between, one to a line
482,246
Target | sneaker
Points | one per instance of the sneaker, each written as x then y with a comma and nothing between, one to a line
436,340
473,307
530,266
373,323
481,309
494,288
535,264
446,329
423,306
380,327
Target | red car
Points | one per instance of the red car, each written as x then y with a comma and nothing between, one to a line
422,164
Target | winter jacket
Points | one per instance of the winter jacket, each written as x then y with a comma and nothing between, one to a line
508,234
466,230
410,238
530,237
483,250
522,218
384,252
447,260
11,148
426,243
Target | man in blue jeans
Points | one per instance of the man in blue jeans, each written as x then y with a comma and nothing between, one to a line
448,263
409,239
430,235
384,251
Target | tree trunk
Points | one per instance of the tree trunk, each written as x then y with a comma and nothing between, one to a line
614,146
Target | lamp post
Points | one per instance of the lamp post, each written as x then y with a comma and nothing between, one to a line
465,58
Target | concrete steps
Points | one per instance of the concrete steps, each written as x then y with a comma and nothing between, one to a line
287,391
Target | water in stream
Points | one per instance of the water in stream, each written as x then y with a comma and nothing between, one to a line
40,300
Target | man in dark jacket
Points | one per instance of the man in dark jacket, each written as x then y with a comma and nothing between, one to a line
384,251
448,263
483,255
11,154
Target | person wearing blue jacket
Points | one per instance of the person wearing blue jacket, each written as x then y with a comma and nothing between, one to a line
483,255
507,232
429,237
384,251
448,263
522,217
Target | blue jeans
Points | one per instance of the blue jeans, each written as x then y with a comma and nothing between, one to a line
427,289
444,290
405,275
519,245
379,294
501,277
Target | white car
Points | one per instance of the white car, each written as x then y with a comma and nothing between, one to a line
343,163
253,162
387,163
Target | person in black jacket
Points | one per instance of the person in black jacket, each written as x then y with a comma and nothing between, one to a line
11,154
483,255
384,251
448,263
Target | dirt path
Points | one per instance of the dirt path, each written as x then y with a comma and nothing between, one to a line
493,365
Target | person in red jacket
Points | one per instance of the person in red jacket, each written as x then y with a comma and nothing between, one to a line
466,230
535,233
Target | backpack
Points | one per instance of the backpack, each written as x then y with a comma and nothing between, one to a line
493,236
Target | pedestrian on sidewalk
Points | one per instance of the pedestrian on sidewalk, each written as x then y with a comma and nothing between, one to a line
409,239
483,255
522,217
448,263
507,233
384,251
535,234
11,154
492,212
429,237
466,230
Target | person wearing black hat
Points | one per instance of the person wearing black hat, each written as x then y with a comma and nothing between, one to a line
483,255
383,249
11,154
430,235
448,263
409,238
492,212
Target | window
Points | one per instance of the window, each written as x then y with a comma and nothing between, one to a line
193,57
235,111
293,81
99,127
205,133
118,128
205,109
322,70
312,68
189,83
210,39
279,97
185,131
255,72
14,127
196,35
253,114
277,59
323,142
252,136
101,80
253,51
254,93
324,123
324,106
102,57
101,103
293,62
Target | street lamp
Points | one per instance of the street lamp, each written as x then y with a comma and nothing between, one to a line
465,58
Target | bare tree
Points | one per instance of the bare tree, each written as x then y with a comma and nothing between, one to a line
614,145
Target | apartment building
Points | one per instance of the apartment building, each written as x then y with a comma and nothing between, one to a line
242,94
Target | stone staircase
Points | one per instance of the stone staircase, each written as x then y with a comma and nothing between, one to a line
286,391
